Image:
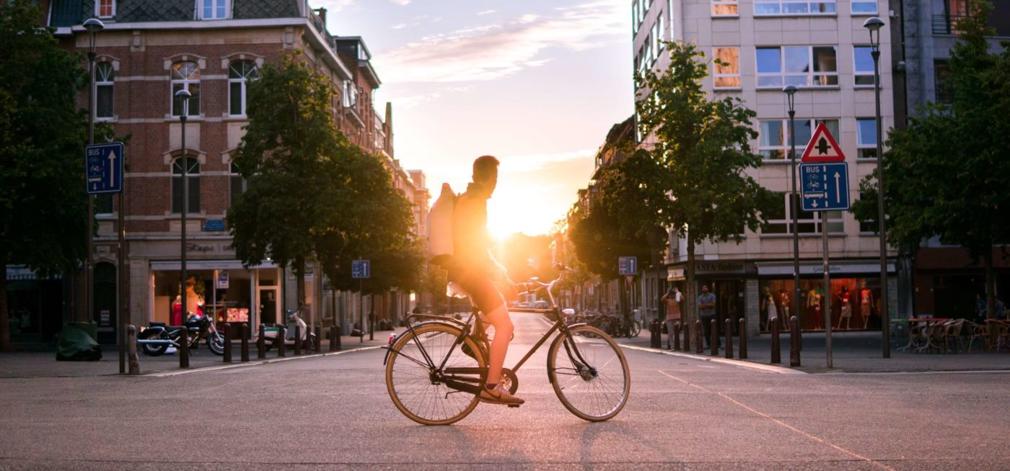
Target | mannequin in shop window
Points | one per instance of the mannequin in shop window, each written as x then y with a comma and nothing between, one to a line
787,304
771,308
814,306
194,300
865,303
845,301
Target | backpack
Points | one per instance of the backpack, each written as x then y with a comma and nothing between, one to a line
440,244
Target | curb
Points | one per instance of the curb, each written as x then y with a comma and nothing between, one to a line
255,363
741,363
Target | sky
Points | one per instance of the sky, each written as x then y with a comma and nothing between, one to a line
536,83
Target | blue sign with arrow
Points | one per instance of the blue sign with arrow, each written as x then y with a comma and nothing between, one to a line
825,186
104,167
627,266
361,269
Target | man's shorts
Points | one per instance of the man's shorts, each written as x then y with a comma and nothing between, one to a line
482,292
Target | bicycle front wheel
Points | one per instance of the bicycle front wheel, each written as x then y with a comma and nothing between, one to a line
589,373
419,389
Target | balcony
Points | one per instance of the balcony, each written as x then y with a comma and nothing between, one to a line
945,25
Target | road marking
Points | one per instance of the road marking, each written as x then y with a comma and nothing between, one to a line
255,363
779,422
912,373
741,363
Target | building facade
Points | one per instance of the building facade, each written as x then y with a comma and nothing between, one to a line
213,48
821,47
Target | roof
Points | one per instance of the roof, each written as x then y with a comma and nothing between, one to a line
74,12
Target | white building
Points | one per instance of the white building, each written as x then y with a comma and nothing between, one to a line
821,47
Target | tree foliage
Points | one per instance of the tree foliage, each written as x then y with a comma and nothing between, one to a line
43,204
703,146
947,171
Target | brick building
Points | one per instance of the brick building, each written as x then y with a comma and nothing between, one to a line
148,50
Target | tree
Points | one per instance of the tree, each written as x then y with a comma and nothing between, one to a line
289,156
947,171
42,136
703,146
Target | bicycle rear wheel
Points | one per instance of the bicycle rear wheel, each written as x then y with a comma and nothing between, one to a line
423,393
589,373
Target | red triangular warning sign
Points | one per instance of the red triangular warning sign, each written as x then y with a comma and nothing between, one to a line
822,147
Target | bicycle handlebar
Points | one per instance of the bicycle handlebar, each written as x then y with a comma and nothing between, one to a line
534,284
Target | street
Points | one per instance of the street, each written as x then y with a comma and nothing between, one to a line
330,412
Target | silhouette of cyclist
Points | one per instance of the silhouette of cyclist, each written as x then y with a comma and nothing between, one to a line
477,272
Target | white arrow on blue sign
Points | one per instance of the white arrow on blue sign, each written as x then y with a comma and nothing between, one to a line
361,269
627,266
825,187
104,167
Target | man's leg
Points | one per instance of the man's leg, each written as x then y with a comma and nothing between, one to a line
499,318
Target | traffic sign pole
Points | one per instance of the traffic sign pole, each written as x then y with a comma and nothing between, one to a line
827,286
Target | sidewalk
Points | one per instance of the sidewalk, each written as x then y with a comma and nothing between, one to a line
35,364
853,352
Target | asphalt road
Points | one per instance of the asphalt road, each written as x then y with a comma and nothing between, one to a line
333,412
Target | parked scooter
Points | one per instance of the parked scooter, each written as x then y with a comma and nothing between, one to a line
156,338
294,318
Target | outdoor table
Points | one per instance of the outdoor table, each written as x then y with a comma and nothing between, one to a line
918,330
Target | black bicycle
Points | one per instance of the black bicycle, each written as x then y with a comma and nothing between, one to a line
436,368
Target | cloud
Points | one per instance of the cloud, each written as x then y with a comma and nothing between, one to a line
488,52
400,2
485,12
334,5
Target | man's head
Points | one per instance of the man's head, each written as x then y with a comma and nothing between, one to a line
485,172
704,288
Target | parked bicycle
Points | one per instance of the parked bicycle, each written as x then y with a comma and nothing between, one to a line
436,368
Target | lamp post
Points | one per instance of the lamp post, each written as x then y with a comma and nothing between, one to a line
184,95
873,25
92,26
790,91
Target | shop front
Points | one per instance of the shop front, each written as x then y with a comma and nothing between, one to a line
35,306
727,280
854,293
224,289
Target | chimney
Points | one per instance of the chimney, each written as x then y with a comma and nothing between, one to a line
322,15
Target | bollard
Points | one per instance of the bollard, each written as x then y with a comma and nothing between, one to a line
713,338
245,342
261,343
226,330
655,334
699,346
676,336
687,336
776,346
131,342
333,338
338,331
742,332
794,342
184,348
298,340
371,327
282,346
317,340
729,337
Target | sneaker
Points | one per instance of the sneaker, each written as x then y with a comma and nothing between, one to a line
499,395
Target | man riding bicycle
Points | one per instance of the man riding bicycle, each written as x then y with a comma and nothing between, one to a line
477,272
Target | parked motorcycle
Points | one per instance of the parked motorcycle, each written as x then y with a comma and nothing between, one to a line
155,339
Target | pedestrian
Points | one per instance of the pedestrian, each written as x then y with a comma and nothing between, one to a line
706,312
672,300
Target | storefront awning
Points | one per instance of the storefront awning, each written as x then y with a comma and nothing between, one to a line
811,268
176,265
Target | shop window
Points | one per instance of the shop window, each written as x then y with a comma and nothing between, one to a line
866,138
193,178
236,182
186,76
794,7
853,303
104,77
725,8
240,73
862,66
802,66
727,67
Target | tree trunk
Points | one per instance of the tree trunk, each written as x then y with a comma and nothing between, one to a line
299,267
692,297
990,285
5,331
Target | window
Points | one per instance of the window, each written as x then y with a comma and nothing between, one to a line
813,66
657,35
213,9
725,8
727,67
864,7
237,183
862,66
794,7
866,141
104,77
350,96
105,8
779,221
186,75
193,175
240,72
868,226
944,92
774,142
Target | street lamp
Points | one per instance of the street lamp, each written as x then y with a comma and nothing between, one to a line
873,25
92,26
184,95
790,91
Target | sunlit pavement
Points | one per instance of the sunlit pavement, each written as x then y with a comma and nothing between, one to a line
330,412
